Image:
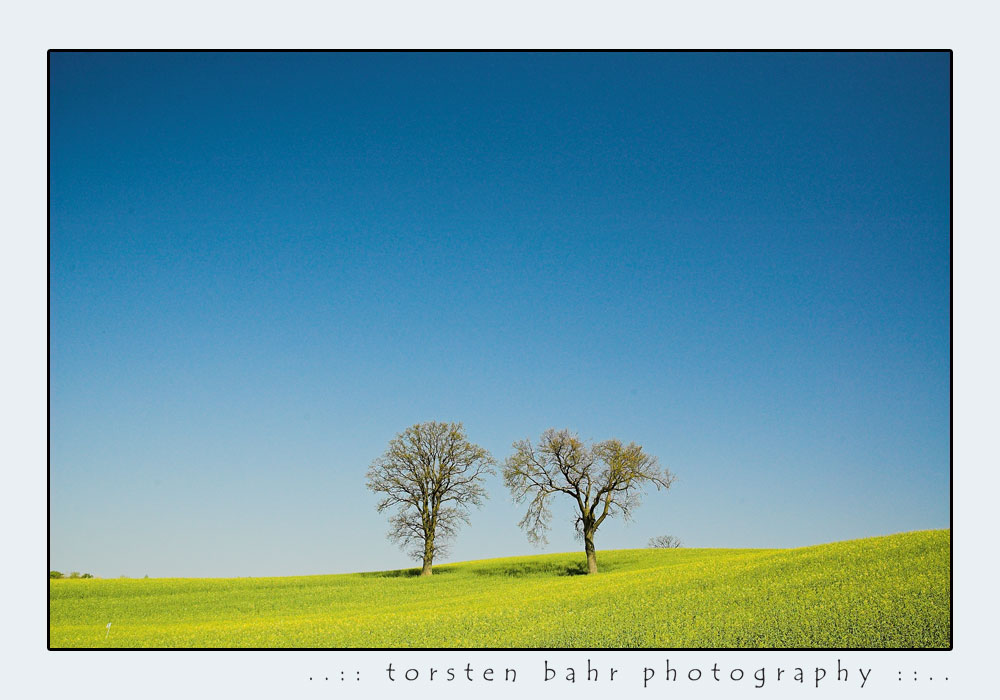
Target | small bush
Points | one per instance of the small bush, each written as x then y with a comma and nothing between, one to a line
55,574
75,574
86,576
664,542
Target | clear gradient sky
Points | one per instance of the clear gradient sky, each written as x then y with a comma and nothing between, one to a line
264,266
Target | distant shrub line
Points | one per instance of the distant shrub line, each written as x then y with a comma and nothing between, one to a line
75,574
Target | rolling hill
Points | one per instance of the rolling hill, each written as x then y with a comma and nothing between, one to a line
881,592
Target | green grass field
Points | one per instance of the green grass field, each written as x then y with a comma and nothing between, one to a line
882,592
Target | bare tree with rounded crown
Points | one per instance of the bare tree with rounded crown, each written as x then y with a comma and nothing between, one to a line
664,542
430,474
606,480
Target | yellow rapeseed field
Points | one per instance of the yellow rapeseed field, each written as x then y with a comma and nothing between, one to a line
881,592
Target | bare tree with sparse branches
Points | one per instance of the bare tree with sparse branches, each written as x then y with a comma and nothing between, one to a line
431,474
605,480
664,542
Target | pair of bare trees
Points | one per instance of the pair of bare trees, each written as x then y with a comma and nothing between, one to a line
431,475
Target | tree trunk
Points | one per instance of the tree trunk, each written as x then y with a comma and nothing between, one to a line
588,545
428,557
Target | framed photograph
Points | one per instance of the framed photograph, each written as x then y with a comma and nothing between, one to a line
452,371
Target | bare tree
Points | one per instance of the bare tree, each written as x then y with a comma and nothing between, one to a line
604,481
664,542
430,474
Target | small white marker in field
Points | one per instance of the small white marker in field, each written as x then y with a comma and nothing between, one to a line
108,632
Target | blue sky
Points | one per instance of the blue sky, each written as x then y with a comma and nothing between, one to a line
264,266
